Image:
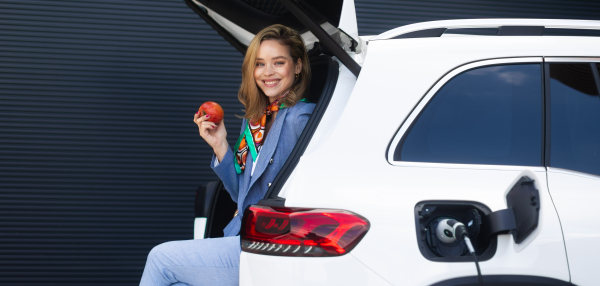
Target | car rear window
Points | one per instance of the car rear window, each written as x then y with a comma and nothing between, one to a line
489,115
575,117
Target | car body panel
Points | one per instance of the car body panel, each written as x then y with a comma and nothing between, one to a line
576,196
258,270
390,247
341,95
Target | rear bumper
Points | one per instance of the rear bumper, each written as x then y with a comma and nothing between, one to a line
257,269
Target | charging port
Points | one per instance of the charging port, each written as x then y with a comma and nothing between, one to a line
429,214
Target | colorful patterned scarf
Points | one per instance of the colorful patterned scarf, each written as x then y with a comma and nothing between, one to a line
256,132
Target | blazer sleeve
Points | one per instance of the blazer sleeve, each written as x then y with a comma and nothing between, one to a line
225,170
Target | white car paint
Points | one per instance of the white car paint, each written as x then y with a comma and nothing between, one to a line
348,22
576,196
301,271
199,227
236,31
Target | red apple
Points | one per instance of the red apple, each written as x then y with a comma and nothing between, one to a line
213,109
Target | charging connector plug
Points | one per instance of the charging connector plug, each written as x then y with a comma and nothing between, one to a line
449,230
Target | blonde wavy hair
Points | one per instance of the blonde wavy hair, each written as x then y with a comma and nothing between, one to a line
250,95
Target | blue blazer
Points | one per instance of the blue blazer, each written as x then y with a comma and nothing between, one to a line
281,139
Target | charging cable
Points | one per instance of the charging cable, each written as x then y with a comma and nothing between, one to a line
449,230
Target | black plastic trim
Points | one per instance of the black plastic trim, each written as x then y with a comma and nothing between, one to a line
547,114
524,201
521,217
473,31
224,33
272,202
521,31
502,280
429,33
205,198
271,198
544,118
571,32
222,210
500,222
323,37
211,211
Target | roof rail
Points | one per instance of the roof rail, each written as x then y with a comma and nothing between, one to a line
436,28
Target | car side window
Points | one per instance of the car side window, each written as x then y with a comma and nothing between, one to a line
489,115
575,118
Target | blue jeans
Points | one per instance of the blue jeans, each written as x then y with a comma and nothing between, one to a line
213,261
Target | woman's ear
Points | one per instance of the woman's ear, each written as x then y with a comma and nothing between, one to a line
298,66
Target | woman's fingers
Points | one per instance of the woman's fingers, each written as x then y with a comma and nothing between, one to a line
212,133
209,125
198,119
207,129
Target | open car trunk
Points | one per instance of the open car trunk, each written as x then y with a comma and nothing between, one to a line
327,27
245,18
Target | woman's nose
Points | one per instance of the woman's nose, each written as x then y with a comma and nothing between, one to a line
269,70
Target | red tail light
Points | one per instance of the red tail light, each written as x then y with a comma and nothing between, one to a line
301,231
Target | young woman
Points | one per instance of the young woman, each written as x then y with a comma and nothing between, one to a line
275,75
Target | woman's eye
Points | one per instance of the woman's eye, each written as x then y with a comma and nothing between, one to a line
259,64
279,63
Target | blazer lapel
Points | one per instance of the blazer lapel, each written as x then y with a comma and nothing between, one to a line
269,147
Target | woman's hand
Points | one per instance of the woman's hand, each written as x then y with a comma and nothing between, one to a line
215,135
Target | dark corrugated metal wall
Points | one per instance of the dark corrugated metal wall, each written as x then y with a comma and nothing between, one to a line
375,17
99,159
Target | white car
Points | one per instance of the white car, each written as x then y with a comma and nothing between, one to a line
492,123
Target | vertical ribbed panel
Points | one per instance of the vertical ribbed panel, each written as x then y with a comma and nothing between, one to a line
99,157
378,16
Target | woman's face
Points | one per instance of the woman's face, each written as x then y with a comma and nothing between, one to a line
275,70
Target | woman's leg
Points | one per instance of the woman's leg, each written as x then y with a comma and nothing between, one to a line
196,262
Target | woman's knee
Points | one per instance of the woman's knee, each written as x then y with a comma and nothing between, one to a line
159,253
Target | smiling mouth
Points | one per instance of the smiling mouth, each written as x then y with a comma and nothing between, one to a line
271,83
